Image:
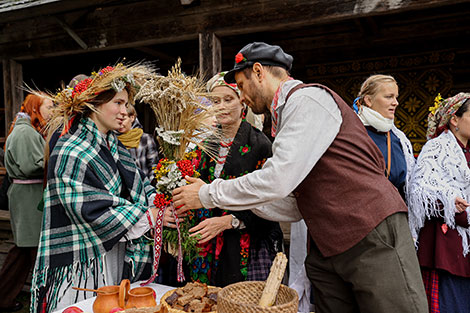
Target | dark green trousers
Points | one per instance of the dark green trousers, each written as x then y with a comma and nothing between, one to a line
380,274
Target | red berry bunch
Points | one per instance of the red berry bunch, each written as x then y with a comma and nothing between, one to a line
81,86
185,167
105,70
160,201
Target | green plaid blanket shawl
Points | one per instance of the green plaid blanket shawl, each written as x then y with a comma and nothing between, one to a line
94,195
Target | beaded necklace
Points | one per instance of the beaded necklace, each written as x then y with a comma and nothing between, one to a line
223,153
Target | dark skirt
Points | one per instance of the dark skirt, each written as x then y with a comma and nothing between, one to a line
446,293
454,293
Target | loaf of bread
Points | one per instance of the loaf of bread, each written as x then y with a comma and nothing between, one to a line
274,280
194,297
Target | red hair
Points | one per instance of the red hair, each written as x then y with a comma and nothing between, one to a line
31,106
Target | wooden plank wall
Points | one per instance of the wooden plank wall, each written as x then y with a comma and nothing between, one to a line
12,90
100,24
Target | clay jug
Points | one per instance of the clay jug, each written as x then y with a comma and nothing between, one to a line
110,297
140,297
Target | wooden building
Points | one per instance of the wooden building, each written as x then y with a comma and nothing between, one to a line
423,43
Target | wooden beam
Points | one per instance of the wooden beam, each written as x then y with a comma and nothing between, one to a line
158,54
72,34
13,94
52,7
157,22
210,55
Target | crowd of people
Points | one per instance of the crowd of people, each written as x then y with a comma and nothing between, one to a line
374,229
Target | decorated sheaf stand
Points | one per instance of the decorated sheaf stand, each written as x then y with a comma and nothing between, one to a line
183,115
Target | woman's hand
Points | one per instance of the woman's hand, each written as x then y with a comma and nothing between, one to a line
211,227
460,205
169,217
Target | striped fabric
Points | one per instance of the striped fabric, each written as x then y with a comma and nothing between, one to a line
94,195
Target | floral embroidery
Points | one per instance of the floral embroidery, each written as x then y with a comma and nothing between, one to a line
239,58
210,254
200,267
244,149
260,163
244,248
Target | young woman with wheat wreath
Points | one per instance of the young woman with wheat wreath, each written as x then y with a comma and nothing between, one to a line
96,204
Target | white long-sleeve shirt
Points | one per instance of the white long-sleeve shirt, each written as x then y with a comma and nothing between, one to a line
307,125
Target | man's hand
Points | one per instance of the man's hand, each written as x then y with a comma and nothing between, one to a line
211,227
187,197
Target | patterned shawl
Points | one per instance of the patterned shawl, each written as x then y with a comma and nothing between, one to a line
441,174
93,197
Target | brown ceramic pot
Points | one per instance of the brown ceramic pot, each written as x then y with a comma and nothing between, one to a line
141,297
110,297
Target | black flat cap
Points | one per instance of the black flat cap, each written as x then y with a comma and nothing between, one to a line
259,52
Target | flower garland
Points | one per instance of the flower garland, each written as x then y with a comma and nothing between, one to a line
74,101
437,101
442,112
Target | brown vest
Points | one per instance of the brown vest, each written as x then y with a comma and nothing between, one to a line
346,194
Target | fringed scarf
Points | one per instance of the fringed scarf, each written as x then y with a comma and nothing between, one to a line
441,174
93,197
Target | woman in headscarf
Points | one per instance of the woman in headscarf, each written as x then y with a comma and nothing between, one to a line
375,105
438,203
236,246
96,204
24,162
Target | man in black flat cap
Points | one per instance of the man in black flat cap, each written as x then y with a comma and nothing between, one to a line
362,256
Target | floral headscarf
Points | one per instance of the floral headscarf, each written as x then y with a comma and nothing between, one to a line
218,80
442,111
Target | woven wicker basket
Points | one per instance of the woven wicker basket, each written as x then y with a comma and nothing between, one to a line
166,308
243,297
